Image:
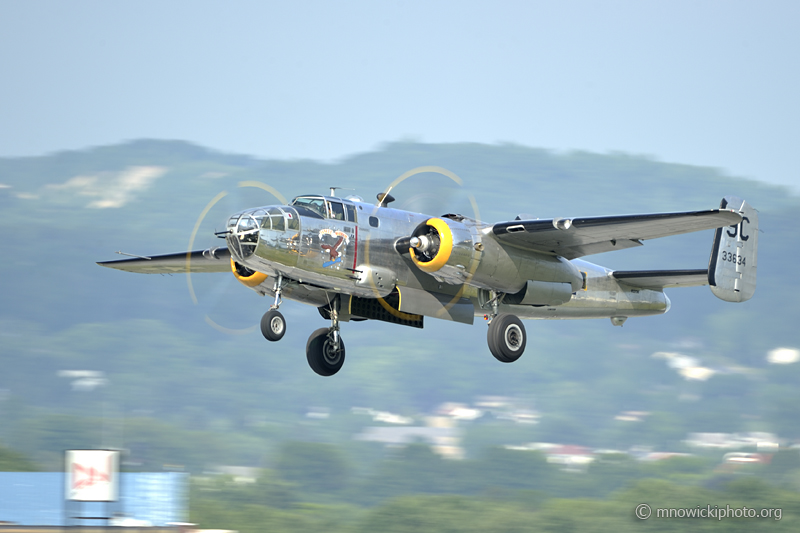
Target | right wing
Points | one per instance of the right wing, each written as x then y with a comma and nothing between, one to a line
577,237
211,260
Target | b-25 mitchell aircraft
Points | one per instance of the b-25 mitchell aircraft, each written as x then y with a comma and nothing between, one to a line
355,261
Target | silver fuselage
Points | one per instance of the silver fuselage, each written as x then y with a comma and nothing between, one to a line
318,257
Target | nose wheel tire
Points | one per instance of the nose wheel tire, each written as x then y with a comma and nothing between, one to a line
325,357
273,325
506,338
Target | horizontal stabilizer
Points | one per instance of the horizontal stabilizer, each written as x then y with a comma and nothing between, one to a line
732,266
211,260
661,279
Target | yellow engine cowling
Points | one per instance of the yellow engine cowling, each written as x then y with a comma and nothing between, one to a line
247,277
442,248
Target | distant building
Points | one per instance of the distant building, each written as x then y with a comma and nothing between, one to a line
37,498
733,441
240,474
740,458
571,458
443,440
383,416
632,416
661,456
459,411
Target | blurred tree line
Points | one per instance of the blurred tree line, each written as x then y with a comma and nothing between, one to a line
317,487
504,490
13,461
177,392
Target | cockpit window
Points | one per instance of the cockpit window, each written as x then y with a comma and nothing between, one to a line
320,207
315,204
337,210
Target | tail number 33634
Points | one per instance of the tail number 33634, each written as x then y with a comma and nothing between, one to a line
733,258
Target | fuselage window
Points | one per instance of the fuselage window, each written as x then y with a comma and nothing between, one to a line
337,210
260,217
374,222
247,224
277,219
351,213
245,236
293,221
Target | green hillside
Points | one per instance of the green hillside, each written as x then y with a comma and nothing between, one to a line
165,365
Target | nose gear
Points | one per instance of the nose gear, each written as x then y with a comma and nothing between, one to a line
277,288
273,325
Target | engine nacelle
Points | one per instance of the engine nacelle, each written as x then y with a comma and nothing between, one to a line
442,248
247,277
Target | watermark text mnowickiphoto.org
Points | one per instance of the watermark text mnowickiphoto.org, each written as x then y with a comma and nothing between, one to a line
643,511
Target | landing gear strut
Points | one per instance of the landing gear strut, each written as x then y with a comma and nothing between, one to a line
273,325
325,347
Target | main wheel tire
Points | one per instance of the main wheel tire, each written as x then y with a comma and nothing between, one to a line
506,338
322,356
273,325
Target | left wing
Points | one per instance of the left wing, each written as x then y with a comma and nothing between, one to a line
211,260
660,279
576,237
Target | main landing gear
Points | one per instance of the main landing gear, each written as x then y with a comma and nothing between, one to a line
325,347
325,351
506,335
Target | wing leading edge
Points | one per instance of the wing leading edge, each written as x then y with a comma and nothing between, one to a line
576,237
211,260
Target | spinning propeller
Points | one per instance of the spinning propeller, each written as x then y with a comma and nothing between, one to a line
234,202
429,245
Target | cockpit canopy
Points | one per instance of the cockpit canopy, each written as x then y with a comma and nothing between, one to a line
324,207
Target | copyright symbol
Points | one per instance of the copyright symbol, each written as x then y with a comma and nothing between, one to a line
643,511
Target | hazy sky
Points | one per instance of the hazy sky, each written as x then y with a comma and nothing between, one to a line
702,82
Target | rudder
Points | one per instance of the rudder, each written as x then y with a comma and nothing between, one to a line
732,266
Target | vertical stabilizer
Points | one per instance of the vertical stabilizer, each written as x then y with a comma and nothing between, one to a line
732,267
